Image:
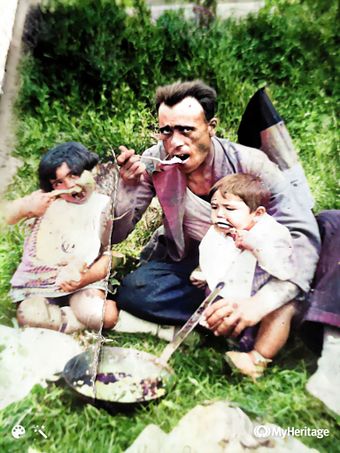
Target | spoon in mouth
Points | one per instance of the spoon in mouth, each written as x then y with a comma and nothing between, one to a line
225,225
173,160
85,182
76,189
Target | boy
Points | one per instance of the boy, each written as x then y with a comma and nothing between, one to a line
243,248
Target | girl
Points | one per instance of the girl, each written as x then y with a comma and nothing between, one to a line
61,281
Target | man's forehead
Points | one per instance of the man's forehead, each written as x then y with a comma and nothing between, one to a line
188,108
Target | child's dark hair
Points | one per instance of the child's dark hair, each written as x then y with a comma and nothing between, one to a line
74,154
249,188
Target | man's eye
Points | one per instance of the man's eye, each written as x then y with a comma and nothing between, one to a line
165,130
185,129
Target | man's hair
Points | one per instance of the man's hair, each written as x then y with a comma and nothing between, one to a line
176,92
249,188
74,154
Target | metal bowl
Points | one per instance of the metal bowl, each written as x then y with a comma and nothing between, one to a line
122,378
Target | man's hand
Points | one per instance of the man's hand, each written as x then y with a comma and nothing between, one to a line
38,202
230,318
33,205
131,167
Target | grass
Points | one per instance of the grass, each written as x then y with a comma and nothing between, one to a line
104,100
200,376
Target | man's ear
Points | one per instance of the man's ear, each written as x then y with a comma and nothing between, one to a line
260,211
212,126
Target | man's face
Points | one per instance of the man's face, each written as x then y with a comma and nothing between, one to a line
229,211
186,133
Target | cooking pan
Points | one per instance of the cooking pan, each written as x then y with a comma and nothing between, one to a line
124,377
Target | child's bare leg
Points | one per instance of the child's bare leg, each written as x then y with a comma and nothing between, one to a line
35,311
91,309
274,331
272,336
69,321
111,314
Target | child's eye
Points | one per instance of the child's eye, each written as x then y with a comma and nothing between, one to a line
213,206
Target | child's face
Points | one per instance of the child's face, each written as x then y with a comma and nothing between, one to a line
65,179
230,211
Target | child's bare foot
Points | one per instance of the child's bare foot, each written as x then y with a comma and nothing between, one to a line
250,364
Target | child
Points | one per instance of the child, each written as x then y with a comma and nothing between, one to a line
244,248
61,281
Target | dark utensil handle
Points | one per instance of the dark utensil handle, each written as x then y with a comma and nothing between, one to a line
189,325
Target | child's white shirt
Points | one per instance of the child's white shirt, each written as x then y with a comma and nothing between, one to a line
221,260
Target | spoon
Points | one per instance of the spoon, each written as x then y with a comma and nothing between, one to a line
173,160
86,181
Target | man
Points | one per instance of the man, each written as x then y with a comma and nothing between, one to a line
160,290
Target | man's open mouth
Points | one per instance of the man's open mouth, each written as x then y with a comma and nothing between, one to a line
183,157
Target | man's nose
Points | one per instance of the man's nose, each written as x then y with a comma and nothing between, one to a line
176,140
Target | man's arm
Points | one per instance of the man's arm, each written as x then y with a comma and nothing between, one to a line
231,317
33,205
135,192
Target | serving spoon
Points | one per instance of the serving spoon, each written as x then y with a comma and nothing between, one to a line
189,325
